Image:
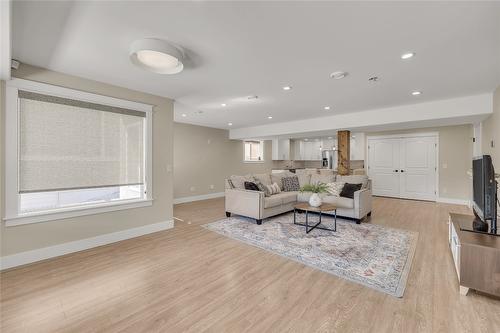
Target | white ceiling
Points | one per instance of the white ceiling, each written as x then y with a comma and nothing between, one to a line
255,48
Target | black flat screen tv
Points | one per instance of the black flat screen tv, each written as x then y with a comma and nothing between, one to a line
484,194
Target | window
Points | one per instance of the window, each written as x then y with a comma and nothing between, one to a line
71,151
254,151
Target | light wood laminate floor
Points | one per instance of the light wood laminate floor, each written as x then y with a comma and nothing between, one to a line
190,279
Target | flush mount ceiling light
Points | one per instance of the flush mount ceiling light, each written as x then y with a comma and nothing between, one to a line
407,55
338,75
223,104
156,55
270,117
229,124
287,88
326,108
184,115
416,93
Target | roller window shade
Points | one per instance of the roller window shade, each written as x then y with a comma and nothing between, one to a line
68,144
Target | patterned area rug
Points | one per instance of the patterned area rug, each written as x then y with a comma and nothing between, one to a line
375,256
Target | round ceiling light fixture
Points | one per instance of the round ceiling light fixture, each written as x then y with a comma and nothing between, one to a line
338,75
229,124
156,55
407,55
416,93
327,108
287,88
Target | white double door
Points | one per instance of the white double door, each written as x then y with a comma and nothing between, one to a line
403,167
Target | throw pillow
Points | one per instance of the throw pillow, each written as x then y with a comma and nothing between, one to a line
290,184
349,189
262,187
276,177
273,189
251,186
335,188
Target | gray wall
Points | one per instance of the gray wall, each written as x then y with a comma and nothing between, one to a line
205,156
33,236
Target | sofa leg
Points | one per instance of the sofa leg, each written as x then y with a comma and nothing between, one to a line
228,214
369,214
259,222
358,221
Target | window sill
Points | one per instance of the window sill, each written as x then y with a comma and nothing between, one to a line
253,162
64,213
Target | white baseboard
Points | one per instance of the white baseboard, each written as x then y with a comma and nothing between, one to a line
453,201
28,257
199,197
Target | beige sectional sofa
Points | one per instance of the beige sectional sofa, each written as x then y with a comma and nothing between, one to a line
255,204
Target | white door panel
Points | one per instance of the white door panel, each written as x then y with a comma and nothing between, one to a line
384,166
403,167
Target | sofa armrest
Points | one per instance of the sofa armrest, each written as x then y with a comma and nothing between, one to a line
362,203
245,203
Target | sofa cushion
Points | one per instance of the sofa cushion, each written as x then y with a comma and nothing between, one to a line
290,183
264,178
279,199
273,201
289,196
239,181
354,179
325,179
304,179
339,202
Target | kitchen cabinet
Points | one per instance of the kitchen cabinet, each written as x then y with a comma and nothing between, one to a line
281,149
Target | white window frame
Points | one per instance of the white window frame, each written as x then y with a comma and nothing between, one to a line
261,148
13,216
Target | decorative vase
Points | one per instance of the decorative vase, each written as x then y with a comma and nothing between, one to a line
315,200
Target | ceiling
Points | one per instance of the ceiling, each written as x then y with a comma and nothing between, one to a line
235,50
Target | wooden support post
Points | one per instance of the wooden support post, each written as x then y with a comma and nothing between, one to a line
344,152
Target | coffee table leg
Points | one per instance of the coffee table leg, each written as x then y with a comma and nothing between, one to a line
335,225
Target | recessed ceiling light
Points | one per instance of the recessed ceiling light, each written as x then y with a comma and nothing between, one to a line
338,75
416,93
229,124
373,79
252,97
156,55
407,55
270,117
184,115
223,104
327,108
287,88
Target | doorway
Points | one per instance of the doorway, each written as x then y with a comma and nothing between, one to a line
404,166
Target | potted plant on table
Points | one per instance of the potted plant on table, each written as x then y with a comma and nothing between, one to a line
316,189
